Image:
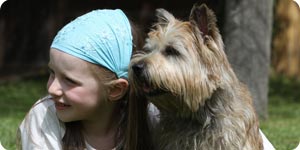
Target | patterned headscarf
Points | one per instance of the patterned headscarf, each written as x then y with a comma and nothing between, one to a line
101,37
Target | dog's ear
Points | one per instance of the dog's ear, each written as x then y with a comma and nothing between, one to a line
163,16
203,18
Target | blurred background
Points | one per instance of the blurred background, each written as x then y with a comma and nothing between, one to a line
262,42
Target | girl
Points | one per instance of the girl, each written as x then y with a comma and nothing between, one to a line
88,89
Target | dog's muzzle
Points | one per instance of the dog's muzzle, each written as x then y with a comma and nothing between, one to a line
138,69
142,78
139,73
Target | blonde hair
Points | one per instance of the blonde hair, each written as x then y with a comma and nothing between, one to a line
104,76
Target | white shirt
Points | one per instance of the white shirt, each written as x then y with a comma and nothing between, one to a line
42,130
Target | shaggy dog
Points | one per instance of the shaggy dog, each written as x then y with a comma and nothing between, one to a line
184,72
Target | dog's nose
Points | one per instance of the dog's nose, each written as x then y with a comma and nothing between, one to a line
138,68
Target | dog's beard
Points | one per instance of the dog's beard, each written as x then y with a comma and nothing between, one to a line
154,90
143,83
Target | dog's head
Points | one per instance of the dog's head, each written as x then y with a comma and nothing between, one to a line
183,62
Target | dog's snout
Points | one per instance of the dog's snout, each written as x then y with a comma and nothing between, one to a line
138,68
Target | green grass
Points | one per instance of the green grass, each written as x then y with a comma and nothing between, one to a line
16,98
282,128
283,125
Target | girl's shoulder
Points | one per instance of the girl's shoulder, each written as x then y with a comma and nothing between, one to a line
42,112
41,128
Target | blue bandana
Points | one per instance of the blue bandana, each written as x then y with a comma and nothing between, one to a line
101,37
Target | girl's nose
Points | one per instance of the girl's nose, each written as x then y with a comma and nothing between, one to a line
54,87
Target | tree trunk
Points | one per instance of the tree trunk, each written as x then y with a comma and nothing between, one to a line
247,37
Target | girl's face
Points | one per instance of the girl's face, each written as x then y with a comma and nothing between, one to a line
75,90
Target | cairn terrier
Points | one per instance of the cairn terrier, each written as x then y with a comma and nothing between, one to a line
184,72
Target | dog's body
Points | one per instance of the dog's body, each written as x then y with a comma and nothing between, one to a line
187,76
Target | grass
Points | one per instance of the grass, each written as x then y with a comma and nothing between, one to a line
16,98
283,125
282,128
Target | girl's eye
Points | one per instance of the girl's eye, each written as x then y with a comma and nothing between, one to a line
70,81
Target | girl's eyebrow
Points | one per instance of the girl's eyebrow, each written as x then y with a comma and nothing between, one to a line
71,78
64,74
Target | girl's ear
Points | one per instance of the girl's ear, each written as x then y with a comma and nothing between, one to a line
118,89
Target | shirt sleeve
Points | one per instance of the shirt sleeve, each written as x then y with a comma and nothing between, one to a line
41,129
267,144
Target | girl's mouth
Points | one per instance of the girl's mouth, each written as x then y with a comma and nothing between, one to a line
61,106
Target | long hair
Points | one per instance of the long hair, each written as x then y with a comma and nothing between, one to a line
137,134
73,138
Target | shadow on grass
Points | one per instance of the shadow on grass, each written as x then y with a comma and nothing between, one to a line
284,89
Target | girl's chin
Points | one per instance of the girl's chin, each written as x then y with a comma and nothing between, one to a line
64,116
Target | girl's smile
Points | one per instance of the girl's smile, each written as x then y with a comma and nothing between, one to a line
61,106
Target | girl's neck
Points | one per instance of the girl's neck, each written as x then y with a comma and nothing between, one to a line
99,128
101,133
102,141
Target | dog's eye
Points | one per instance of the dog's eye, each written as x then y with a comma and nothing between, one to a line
171,51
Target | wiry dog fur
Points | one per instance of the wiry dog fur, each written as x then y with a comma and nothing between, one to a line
185,73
